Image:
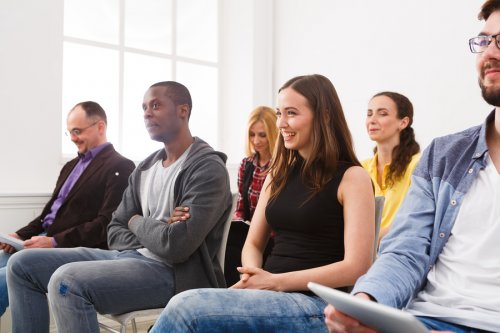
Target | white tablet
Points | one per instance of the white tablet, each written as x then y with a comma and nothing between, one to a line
14,242
377,316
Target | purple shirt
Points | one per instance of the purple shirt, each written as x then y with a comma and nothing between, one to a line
73,177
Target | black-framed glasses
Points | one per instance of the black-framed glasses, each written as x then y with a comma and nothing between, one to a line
78,131
479,44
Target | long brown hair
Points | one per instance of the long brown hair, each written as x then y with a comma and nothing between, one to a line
408,146
331,138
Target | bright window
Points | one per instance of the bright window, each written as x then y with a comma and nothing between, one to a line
115,49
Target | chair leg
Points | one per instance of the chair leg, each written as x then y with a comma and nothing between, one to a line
134,326
110,329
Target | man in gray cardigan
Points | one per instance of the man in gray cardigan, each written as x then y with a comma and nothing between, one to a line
150,258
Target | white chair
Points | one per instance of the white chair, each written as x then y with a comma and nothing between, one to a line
124,318
379,207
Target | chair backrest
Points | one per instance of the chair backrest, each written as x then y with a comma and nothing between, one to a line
379,207
221,256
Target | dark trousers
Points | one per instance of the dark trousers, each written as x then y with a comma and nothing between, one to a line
235,241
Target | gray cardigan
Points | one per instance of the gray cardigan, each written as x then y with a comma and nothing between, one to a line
189,247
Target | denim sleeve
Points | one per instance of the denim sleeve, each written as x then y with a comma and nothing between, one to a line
403,261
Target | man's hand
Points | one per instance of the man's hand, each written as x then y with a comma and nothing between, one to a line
132,218
179,214
337,321
39,242
8,248
340,322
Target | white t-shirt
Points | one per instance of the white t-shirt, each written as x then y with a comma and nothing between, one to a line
160,193
463,287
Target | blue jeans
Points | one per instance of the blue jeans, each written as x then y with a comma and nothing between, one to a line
4,297
82,281
439,325
237,310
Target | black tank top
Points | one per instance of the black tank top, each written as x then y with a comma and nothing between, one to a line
307,235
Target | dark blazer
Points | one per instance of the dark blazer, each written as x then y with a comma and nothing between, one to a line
83,218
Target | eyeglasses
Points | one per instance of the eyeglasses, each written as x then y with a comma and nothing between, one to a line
78,131
480,43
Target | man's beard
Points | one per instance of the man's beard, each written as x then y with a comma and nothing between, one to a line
490,94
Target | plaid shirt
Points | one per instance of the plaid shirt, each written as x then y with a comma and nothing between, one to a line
259,175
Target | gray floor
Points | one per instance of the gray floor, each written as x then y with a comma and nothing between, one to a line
142,324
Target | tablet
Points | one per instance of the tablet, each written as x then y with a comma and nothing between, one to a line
14,242
377,316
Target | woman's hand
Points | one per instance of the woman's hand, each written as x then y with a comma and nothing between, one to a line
256,278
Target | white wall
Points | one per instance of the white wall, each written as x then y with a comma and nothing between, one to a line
418,48
246,78
17,210
31,86
30,94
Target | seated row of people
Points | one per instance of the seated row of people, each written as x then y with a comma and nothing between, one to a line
180,255
439,260
319,202
65,222
150,257
384,111
388,123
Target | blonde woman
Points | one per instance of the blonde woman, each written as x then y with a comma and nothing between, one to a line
261,139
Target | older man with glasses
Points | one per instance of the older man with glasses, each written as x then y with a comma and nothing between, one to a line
440,260
88,190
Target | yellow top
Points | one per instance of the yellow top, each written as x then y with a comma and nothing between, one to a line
393,195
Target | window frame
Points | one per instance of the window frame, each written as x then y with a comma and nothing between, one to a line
173,58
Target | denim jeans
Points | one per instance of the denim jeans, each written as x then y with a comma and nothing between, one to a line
237,310
4,298
439,325
82,281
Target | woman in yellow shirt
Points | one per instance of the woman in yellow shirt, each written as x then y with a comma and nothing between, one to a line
388,122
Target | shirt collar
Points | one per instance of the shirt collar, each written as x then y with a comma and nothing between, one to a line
482,147
372,163
255,161
93,152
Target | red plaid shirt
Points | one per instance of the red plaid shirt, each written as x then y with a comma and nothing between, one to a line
259,175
